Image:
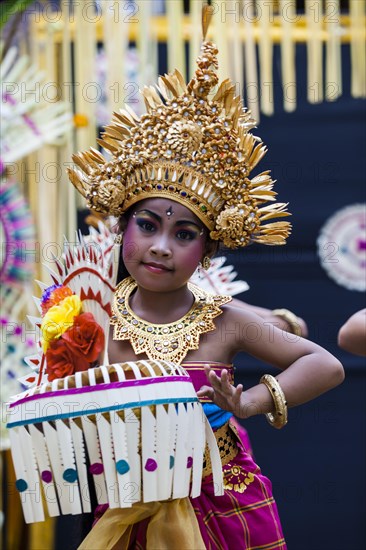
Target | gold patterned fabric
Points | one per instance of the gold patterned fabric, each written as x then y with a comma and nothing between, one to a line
227,444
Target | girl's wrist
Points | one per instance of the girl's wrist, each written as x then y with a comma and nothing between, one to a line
254,401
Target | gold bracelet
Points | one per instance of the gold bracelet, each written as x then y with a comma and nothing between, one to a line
290,319
278,419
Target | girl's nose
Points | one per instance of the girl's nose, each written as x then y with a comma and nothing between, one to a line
161,247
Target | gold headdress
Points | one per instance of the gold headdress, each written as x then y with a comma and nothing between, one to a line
190,148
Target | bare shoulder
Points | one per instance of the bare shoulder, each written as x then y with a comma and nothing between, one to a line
248,332
240,314
240,327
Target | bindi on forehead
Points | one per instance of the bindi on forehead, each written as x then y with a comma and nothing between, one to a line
169,212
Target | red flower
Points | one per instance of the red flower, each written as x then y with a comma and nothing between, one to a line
62,360
85,337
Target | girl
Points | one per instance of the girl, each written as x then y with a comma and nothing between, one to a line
163,242
179,180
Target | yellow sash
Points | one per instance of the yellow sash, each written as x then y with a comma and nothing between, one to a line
173,526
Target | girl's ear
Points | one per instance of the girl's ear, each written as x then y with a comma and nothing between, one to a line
211,248
121,224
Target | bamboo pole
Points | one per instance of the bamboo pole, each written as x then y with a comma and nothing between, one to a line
236,46
358,59
116,24
87,91
313,9
265,15
43,166
159,25
154,53
251,73
147,52
174,36
288,54
27,173
195,35
67,191
219,24
143,42
333,68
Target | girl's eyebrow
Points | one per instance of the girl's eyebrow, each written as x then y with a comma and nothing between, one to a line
146,211
158,218
188,222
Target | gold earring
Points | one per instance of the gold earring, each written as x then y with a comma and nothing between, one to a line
206,263
118,238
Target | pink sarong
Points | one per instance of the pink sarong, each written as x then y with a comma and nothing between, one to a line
245,517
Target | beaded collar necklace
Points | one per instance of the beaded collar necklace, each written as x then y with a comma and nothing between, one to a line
170,342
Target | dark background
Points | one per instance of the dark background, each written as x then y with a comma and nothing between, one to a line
317,463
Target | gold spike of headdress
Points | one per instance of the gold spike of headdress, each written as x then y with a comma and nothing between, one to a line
190,148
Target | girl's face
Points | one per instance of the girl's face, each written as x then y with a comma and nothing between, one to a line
163,244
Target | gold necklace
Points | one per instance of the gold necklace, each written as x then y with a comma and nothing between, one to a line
170,342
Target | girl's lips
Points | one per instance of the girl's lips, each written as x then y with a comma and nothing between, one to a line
155,268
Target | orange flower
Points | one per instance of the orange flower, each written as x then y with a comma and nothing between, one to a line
56,296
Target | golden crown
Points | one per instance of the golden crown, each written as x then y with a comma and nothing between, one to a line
189,148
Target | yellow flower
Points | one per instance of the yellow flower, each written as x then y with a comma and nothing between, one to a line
58,319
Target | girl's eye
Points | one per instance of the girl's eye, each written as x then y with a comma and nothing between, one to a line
185,235
145,225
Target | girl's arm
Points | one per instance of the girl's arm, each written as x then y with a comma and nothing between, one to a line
352,335
274,318
308,370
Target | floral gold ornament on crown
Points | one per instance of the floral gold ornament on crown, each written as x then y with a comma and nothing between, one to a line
192,148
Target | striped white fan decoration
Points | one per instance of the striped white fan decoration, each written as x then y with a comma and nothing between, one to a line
138,428
219,278
87,268
28,118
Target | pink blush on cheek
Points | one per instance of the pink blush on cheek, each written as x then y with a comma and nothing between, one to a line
195,255
130,246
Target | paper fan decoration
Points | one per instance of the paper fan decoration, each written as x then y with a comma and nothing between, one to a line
16,344
75,309
28,120
87,269
219,279
17,231
128,425
17,261
342,247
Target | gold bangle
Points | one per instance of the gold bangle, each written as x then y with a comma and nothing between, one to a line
278,419
290,319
